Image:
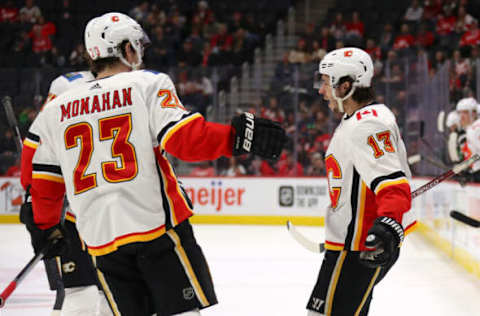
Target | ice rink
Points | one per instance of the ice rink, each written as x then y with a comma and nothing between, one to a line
262,271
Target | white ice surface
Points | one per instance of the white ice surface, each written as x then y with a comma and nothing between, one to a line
262,271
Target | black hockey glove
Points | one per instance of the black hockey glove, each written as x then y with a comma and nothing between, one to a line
54,237
383,238
258,136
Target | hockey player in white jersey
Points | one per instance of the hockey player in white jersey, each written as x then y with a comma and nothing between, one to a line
105,145
78,274
473,145
368,181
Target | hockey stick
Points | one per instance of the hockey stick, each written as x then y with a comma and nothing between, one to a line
465,219
51,267
320,247
25,271
12,121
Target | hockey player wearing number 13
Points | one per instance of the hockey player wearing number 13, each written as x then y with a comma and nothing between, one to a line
368,180
104,143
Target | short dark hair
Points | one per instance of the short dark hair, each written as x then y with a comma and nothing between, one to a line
361,95
99,65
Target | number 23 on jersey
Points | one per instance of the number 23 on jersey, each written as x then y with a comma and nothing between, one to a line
116,128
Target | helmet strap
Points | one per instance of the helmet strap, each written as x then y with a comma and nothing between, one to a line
134,66
340,100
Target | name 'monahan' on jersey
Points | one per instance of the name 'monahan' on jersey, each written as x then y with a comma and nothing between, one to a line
368,176
100,142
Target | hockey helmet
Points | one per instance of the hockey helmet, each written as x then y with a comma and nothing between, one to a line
347,62
105,34
467,104
452,119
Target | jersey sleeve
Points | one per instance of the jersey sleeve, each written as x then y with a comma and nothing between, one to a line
30,144
57,87
184,134
48,187
376,157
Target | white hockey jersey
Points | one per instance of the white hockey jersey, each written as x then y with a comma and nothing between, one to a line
473,143
68,81
105,142
368,177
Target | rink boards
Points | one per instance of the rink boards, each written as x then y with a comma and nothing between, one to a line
225,200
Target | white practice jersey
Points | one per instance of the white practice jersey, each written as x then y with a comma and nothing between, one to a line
473,143
368,176
68,81
104,139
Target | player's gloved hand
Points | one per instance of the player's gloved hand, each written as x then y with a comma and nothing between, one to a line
54,237
383,238
258,136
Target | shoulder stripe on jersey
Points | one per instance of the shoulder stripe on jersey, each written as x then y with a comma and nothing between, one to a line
27,142
354,206
33,137
392,176
47,176
172,127
47,168
152,71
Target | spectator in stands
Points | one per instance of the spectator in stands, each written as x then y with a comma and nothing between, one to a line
8,12
414,12
65,28
236,21
204,13
7,143
196,39
158,55
439,59
204,169
355,30
317,167
187,57
431,9
327,42
235,169
299,55
472,36
283,76
55,58
404,41
337,28
273,111
461,64
386,38
42,34
223,40
77,57
424,38
288,167
445,27
317,52
309,35
241,50
206,52
140,12
31,11
464,18
22,48
373,49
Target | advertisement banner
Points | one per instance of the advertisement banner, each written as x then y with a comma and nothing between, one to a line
258,196
11,195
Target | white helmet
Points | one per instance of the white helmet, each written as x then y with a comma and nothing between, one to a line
104,34
452,119
349,61
467,104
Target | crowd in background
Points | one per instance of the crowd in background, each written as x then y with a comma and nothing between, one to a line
192,37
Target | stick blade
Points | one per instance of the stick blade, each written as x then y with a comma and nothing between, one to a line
302,240
465,219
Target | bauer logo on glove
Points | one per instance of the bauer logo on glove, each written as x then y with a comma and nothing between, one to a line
258,136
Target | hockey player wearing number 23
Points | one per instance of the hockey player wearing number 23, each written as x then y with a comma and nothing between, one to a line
104,143
368,181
